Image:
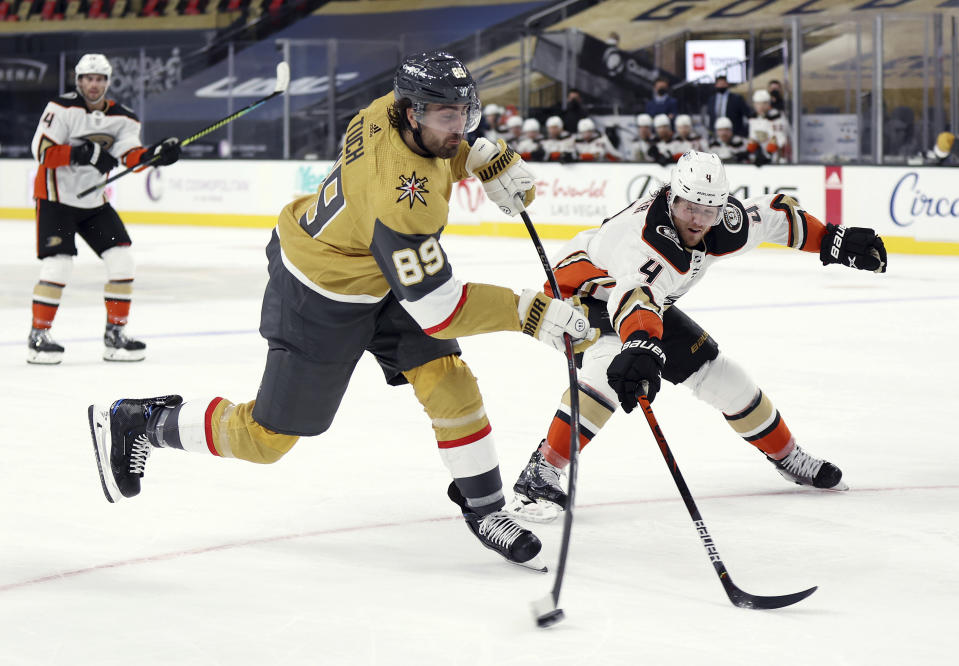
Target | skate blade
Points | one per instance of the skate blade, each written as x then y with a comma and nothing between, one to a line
99,419
540,511
536,563
123,355
44,358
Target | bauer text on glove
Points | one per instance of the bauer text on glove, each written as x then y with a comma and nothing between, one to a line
503,173
640,360
547,319
856,247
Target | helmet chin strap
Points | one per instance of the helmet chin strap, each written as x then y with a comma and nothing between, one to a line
418,139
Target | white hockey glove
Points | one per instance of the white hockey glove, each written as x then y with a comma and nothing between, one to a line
547,319
503,173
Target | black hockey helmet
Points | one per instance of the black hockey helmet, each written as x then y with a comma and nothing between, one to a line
437,77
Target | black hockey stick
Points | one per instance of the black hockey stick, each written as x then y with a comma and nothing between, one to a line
546,609
282,82
736,595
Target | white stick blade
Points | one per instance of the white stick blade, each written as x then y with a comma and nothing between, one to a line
282,77
546,612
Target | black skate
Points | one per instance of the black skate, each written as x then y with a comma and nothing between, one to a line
41,349
804,470
121,442
118,347
539,497
498,531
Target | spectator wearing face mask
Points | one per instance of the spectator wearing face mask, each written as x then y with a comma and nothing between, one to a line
662,101
723,102
775,90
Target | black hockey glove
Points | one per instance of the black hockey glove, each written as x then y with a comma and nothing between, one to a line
640,360
92,153
166,152
856,247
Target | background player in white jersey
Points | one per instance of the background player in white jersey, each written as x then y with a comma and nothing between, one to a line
82,135
558,144
358,267
593,146
630,271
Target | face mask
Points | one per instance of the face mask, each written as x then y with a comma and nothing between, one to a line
660,91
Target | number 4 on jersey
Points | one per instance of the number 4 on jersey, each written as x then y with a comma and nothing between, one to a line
651,269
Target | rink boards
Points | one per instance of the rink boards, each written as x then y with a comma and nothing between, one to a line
915,208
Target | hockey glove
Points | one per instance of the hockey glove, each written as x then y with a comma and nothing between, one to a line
547,319
856,247
640,361
503,173
92,153
166,152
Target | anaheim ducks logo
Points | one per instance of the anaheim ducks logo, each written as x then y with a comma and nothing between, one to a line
105,140
412,189
733,219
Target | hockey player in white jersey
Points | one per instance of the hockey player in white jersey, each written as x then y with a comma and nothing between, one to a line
82,135
630,271
593,146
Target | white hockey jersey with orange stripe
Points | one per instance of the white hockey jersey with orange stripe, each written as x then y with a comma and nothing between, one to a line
67,122
637,263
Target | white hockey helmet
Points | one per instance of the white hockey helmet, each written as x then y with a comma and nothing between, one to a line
492,110
724,123
701,179
661,120
761,96
514,121
585,125
644,120
683,120
554,121
530,125
94,63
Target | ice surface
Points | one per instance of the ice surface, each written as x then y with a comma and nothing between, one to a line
348,552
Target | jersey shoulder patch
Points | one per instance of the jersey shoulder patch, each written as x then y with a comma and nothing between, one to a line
68,99
117,109
661,235
732,233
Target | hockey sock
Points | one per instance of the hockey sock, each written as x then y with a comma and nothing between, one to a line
761,425
116,296
450,395
46,300
595,411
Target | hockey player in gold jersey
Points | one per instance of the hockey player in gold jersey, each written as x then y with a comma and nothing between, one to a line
357,267
81,136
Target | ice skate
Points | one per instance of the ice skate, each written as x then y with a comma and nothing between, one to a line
498,531
41,349
118,347
121,442
538,495
804,470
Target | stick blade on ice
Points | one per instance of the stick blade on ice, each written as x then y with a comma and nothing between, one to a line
546,612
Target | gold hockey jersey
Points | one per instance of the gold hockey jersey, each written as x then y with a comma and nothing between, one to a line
374,226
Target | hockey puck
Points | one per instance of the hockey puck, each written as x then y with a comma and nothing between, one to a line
550,618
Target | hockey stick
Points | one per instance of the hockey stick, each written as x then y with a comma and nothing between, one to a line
546,609
736,595
282,83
